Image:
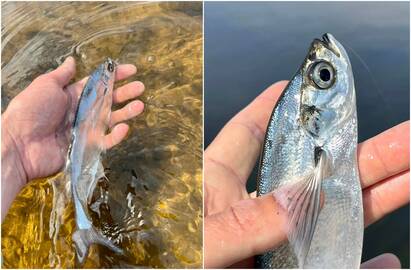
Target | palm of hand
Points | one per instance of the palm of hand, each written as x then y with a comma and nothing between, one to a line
39,125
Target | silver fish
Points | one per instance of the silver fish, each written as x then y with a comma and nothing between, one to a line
309,164
83,163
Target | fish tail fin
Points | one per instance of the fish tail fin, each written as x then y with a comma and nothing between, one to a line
83,238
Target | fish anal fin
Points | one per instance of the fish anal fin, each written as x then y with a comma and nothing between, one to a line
94,180
302,201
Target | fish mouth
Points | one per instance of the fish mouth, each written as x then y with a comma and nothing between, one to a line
329,42
327,38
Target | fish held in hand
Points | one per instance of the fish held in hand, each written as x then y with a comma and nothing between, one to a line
309,164
84,166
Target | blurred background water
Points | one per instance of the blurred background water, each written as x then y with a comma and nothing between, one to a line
249,46
154,210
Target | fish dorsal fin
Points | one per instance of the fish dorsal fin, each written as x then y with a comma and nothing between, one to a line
302,202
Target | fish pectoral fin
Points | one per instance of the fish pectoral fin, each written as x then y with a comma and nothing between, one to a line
85,237
302,202
303,210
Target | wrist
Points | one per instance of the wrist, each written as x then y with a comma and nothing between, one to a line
13,175
11,151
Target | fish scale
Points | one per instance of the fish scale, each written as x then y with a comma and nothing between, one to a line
310,150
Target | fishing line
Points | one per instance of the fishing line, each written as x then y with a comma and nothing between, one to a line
374,82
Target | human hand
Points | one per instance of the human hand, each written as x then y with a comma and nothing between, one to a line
238,226
35,133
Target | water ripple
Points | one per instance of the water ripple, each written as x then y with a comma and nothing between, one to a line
151,206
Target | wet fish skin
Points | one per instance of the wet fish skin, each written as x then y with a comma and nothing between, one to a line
83,163
312,134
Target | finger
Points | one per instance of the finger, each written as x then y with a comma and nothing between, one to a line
118,133
246,263
238,144
253,194
124,71
128,91
74,91
218,195
129,111
65,72
385,197
384,155
247,228
76,88
383,261
229,159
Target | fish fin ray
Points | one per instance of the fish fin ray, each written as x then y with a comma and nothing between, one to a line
303,202
303,214
83,238
93,182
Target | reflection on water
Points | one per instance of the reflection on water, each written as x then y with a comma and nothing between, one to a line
154,207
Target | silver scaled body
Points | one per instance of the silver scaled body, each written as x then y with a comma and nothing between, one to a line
84,166
305,119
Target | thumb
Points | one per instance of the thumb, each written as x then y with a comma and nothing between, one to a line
247,228
383,261
65,72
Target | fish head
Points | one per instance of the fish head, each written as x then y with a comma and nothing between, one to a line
108,69
97,91
101,82
96,100
327,91
103,85
108,72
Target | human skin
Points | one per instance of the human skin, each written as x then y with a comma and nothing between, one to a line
238,226
36,130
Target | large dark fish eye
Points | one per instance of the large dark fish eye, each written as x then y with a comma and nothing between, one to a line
110,66
322,74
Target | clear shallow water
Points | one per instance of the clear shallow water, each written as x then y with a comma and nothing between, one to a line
154,209
249,46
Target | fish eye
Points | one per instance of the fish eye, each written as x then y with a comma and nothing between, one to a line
110,66
322,74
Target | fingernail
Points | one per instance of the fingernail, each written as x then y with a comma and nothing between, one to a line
140,87
132,109
68,60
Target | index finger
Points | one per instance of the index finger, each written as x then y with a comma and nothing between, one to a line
384,155
237,146
124,71
229,159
